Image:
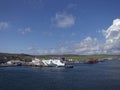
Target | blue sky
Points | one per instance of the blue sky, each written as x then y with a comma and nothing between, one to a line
60,26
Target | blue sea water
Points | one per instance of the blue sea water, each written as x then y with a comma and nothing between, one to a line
100,76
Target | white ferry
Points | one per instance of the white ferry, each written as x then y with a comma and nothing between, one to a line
50,62
54,62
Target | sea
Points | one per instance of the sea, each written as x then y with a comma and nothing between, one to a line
100,76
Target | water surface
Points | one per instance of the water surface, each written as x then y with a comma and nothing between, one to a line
101,76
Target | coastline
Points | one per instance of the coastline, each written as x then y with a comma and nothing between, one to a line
8,60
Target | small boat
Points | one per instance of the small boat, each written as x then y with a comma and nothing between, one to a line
19,64
68,66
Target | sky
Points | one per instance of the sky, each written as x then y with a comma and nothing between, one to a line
42,27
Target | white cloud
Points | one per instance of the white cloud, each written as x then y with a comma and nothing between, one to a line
25,30
90,45
31,48
93,46
87,46
112,36
34,50
63,20
3,25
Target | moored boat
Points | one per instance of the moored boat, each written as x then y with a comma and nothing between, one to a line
68,66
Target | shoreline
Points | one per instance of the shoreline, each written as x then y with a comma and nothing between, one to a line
90,61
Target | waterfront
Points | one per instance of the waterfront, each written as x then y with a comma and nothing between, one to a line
100,76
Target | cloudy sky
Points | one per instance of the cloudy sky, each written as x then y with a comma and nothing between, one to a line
60,26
